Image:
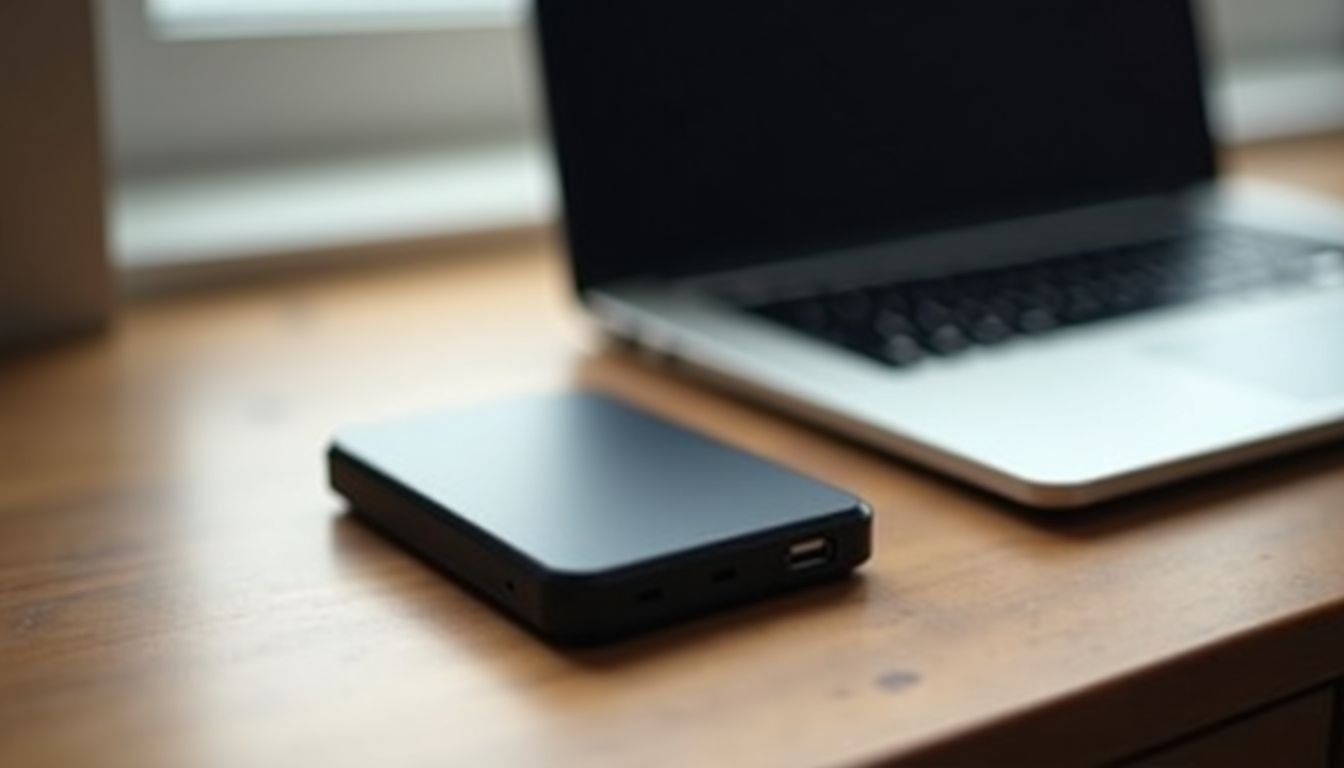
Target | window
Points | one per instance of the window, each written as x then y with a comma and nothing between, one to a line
240,128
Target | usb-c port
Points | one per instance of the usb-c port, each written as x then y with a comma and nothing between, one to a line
810,553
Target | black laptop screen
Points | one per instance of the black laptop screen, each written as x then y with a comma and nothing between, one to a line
700,134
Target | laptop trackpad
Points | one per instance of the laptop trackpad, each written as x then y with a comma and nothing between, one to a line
1299,354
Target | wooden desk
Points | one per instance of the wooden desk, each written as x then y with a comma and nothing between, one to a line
178,587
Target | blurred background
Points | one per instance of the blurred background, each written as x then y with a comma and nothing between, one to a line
242,130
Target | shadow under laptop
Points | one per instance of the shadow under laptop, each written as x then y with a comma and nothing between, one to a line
625,369
456,611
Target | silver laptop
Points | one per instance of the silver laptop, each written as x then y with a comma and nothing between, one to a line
988,237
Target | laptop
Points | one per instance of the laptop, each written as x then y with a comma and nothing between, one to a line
987,237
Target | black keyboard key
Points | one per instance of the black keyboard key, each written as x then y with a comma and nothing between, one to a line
990,329
931,315
948,339
890,322
901,349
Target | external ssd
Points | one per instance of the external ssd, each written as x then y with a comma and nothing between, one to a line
587,519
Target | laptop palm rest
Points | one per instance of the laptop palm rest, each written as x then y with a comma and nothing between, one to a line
1296,353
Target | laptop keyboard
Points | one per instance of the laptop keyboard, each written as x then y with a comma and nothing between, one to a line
902,323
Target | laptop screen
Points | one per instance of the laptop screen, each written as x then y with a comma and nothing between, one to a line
695,135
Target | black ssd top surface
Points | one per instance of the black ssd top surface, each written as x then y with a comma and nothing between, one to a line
581,483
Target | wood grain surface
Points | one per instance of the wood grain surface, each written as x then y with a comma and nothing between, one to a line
179,588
